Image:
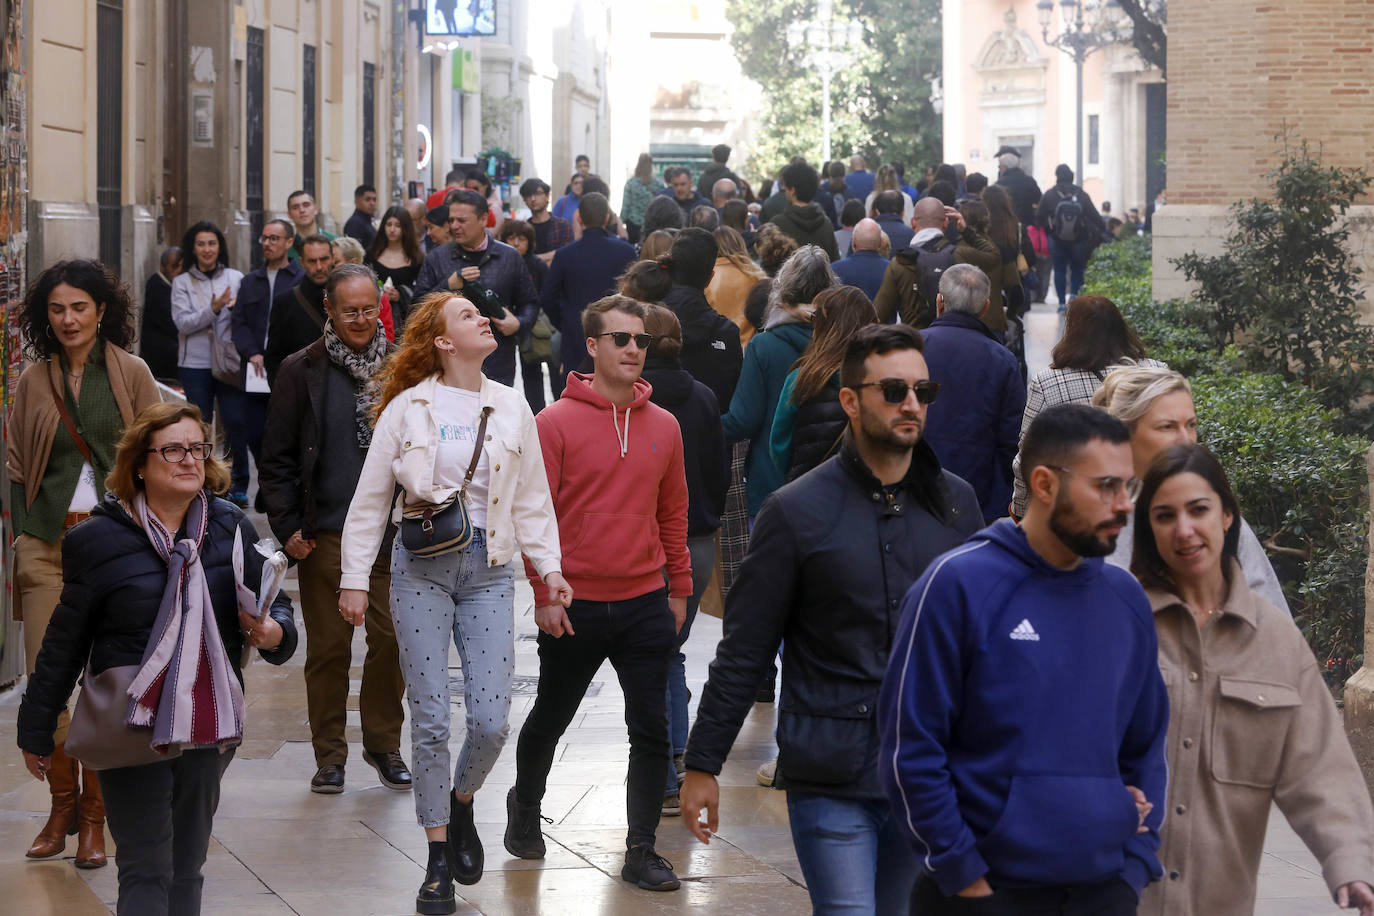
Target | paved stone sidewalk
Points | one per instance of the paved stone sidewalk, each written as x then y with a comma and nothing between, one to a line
278,849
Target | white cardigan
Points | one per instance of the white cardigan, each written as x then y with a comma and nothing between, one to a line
404,449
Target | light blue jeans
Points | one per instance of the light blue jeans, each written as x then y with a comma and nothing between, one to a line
853,855
455,596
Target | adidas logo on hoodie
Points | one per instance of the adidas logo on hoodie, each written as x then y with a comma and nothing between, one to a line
1025,631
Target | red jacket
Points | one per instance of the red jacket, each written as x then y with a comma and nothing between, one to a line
620,494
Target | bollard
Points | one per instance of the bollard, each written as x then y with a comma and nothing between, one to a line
1359,690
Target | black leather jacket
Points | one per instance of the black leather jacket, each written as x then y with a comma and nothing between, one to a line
829,560
113,581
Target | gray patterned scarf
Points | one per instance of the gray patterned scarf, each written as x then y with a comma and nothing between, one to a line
362,368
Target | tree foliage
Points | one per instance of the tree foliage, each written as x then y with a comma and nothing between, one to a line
1286,290
1299,476
880,103
1148,35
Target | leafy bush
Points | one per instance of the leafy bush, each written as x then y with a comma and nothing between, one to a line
1299,478
1286,289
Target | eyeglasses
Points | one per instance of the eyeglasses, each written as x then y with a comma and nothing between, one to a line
1108,487
622,339
271,238
175,454
352,315
895,390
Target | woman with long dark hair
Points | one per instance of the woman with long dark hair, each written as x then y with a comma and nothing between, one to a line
1096,337
809,420
152,599
1251,721
395,257
81,389
444,430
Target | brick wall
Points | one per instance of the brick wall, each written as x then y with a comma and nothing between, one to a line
1240,72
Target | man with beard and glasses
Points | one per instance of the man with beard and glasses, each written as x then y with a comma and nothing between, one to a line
1023,715
831,555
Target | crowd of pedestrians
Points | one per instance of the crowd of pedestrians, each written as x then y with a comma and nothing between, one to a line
1033,661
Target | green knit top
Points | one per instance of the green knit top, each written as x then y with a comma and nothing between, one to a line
98,421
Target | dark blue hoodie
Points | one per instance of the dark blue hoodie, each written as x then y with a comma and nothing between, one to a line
1019,702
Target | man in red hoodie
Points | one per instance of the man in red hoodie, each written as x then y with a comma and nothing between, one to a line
621,503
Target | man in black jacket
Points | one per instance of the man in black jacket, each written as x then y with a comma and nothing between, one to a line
711,349
831,556
313,450
298,313
251,313
493,274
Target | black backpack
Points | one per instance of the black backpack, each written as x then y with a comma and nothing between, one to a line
933,262
1066,223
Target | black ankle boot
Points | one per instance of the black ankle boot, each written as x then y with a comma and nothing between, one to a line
464,845
436,894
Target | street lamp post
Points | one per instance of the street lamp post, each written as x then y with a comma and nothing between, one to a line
824,43
1088,26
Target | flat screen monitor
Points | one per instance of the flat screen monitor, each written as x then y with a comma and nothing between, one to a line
460,17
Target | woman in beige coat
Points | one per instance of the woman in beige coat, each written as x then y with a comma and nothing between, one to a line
1251,723
76,325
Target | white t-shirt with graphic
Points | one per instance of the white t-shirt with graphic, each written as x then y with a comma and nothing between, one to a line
459,413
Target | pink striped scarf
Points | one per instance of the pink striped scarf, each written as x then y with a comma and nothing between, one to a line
186,689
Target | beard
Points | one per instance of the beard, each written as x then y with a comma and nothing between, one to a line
1079,536
881,433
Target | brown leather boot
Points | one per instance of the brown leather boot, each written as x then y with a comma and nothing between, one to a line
90,843
62,821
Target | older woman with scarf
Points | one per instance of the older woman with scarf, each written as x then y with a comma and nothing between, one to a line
151,594
445,431
70,407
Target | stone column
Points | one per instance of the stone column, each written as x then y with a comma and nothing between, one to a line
1359,690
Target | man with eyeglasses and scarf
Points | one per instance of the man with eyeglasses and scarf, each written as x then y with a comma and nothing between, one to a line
319,427
831,555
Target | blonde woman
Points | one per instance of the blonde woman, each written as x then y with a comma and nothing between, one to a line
1156,404
887,180
434,407
735,275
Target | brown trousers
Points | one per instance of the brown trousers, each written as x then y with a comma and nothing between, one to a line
38,577
329,653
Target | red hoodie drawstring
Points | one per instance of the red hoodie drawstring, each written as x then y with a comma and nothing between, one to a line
615,422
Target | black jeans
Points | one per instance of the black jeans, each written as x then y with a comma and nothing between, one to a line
1109,898
637,636
160,817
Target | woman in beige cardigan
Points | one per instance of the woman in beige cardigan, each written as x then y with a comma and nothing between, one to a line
77,325
1251,723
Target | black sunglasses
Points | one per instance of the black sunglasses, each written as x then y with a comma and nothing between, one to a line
895,390
622,339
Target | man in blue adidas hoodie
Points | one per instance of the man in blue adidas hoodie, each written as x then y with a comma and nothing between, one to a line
1023,715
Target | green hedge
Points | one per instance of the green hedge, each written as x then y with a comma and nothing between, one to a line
1301,483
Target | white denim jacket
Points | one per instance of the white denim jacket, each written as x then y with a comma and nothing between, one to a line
404,449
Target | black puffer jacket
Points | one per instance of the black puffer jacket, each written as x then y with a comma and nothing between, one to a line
703,441
831,556
817,428
711,349
113,587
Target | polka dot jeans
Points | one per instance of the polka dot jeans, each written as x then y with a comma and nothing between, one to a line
455,596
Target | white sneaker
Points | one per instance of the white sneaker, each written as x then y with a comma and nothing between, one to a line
766,772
